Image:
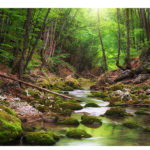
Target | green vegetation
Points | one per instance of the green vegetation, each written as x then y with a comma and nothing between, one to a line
10,126
90,120
130,124
91,105
68,121
72,106
116,112
78,134
41,138
141,111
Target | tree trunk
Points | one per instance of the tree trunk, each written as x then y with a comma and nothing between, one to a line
26,41
132,23
145,23
101,41
37,39
128,65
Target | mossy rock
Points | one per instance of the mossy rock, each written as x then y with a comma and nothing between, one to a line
40,138
130,124
146,101
98,94
141,111
66,92
66,112
68,121
68,88
72,82
147,129
8,110
42,108
91,105
72,106
116,112
90,120
10,126
117,86
78,134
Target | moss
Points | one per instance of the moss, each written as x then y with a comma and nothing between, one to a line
116,112
130,124
10,126
67,112
8,110
78,133
89,120
98,94
147,129
146,101
68,121
134,97
72,82
40,138
91,105
117,86
42,108
142,96
141,112
68,88
72,106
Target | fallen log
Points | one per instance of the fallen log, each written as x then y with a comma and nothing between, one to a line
29,84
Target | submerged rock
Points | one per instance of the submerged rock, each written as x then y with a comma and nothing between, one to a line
78,134
40,138
91,105
68,121
69,105
10,126
116,112
147,129
90,120
130,124
141,111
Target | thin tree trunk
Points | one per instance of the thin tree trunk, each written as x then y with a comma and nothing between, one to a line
101,41
37,39
128,41
144,22
26,41
132,23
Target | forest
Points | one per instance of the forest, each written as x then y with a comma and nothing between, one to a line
75,76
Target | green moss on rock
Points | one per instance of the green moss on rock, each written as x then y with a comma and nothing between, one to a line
147,129
130,124
68,121
90,120
141,111
91,105
99,94
116,112
78,134
40,138
10,126
72,106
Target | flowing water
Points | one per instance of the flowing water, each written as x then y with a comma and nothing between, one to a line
111,133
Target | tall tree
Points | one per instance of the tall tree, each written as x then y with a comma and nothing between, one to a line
128,65
145,23
37,39
26,41
101,41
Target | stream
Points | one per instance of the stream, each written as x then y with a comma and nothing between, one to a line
111,133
